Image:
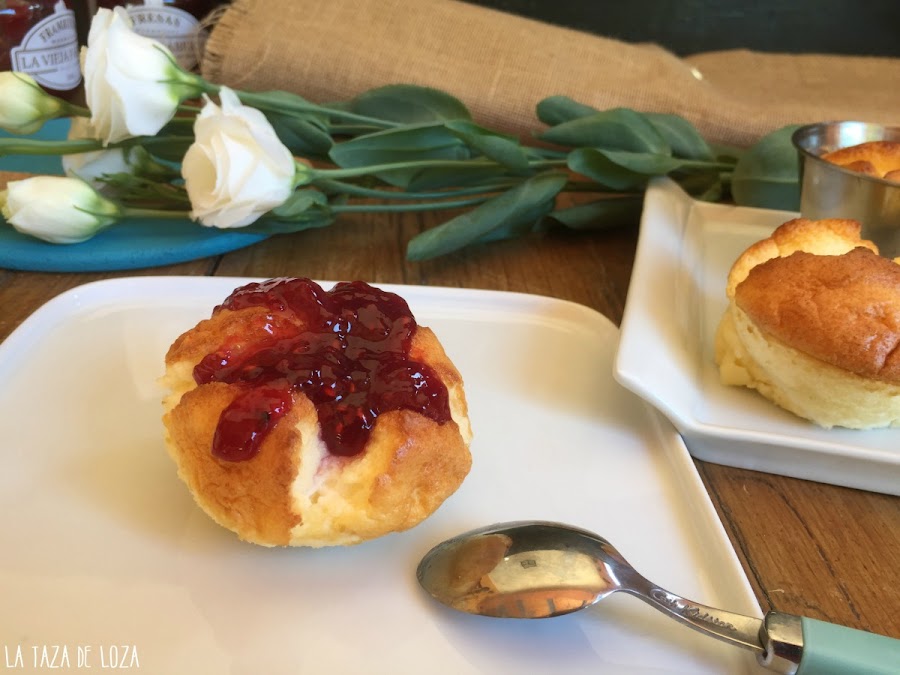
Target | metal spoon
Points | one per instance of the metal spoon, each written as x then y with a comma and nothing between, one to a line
536,570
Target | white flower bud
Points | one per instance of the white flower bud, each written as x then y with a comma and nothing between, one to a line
57,209
237,169
132,84
24,106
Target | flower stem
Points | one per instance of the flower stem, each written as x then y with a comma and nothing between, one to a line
263,101
129,212
72,110
354,172
74,146
360,191
28,146
396,208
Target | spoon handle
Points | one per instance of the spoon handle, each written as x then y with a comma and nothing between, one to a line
829,649
735,629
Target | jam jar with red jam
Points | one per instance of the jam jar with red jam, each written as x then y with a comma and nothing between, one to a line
40,38
174,23
347,350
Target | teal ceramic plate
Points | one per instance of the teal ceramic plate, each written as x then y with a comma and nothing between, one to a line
134,244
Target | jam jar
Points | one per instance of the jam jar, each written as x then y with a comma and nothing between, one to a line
39,37
175,23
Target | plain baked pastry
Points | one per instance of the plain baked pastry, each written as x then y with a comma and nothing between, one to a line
303,417
813,324
880,159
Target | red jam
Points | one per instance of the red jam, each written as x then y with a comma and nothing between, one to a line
346,349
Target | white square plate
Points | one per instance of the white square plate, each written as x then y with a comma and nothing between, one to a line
675,301
103,546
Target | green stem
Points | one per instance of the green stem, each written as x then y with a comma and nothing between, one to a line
355,172
30,146
129,212
585,186
27,146
396,208
72,110
359,191
263,102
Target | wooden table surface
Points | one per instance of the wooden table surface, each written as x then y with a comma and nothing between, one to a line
817,550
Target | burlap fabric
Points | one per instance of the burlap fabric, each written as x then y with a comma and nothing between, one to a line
501,65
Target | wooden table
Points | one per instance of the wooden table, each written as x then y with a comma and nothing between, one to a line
817,550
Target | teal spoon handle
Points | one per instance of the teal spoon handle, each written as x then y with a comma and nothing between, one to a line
829,649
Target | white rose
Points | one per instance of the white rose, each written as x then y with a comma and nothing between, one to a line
237,169
24,106
57,209
132,84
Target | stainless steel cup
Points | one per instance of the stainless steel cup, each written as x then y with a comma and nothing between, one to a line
829,191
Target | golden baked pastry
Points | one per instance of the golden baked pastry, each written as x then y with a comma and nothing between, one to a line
873,158
309,418
813,324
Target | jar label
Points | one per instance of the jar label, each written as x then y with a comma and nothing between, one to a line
175,28
49,51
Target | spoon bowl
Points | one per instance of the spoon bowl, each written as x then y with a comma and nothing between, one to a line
540,569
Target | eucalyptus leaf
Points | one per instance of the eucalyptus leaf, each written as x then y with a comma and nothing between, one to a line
299,204
304,210
704,186
302,135
394,146
555,110
615,129
768,174
273,225
168,149
409,104
412,143
511,212
439,178
727,153
681,135
601,214
501,148
620,170
277,101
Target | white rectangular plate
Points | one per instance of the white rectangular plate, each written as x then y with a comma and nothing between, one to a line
103,546
675,301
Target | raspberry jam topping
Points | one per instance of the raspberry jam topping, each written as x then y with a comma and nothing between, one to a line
346,349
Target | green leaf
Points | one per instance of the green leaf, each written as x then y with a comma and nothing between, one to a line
706,186
272,225
768,174
304,210
501,148
276,101
681,135
409,104
169,149
727,153
620,170
616,129
438,178
513,212
304,135
406,144
602,213
555,110
411,143
299,204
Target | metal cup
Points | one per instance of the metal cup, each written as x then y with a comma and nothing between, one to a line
830,191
